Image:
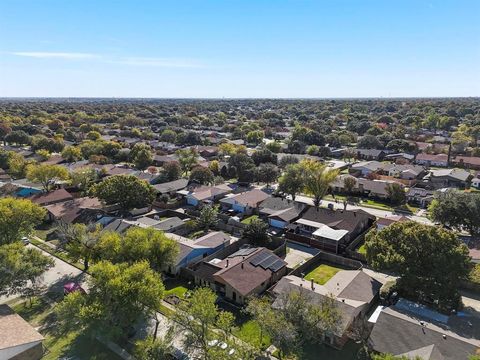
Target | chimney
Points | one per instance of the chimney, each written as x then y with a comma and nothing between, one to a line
311,284
227,263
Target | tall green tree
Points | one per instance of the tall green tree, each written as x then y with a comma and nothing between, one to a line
317,179
18,218
292,180
256,232
267,173
126,190
430,261
118,296
208,217
202,175
141,155
396,193
457,209
187,158
47,175
139,244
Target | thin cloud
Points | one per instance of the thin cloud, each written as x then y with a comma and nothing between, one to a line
55,55
158,62
130,61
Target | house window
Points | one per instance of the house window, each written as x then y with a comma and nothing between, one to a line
234,296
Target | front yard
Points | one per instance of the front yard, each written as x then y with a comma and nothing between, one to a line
322,273
69,344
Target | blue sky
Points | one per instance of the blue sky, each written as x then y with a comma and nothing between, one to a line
258,48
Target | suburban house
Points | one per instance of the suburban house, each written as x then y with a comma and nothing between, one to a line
444,178
52,197
420,196
192,251
205,194
367,167
364,187
329,229
468,162
76,210
280,212
353,290
171,187
18,339
405,172
440,160
370,154
244,202
383,222
412,330
247,272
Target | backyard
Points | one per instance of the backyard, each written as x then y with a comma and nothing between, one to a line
249,219
322,273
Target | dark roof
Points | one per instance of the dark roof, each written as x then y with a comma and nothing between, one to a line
286,214
398,333
117,225
169,224
414,191
52,197
273,204
171,186
337,219
370,152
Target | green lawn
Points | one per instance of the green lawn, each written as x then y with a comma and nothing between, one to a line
249,331
71,344
180,291
43,233
322,273
361,249
249,219
375,204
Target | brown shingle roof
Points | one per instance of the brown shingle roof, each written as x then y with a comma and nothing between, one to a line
14,330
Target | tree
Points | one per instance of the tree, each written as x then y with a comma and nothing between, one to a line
47,175
255,137
260,310
430,261
369,142
349,183
168,136
154,349
21,268
396,193
84,178
256,232
214,167
264,156
267,173
141,156
93,135
18,137
126,190
230,149
457,209
201,175
274,147
208,217
18,218
292,181
288,160
317,179
313,150
80,241
197,319
243,167
138,244
17,165
119,294
187,158
171,171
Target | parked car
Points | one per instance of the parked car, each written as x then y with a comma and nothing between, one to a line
71,287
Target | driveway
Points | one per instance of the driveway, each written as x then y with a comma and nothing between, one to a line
57,276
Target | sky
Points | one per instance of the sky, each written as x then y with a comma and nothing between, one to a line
239,49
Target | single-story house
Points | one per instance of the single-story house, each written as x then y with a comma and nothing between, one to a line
246,272
468,162
367,167
205,194
18,339
440,160
280,212
329,229
192,251
420,196
353,290
171,187
244,202
76,210
370,154
383,222
52,197
412,330
444,178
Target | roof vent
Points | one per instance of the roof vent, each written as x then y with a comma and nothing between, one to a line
444,337
227,263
